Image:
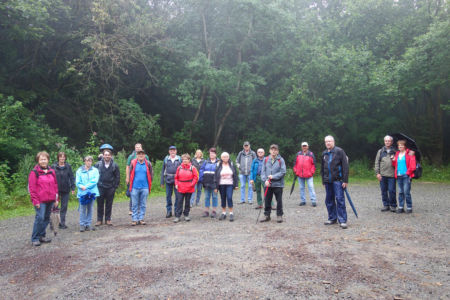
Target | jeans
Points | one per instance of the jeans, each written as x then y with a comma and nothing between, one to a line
64,200
41,220
335,202
278,192
226,195
139,200
246,179
198,194
104,203
404,191
86,214
258,186
387,186
209,193
312,194
182,197
170,189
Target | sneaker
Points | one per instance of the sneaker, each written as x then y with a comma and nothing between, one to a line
343,225
258,207
109,223
130,213
302,204
206,214
314,204
222,217
213,214
329,222
62,226
249,202
393,208
266,219
242,202
187,219
400,210
409,210
45,240
87,228
279,219
134,223
232,217
169,214
98,223
82,228
90,228
142,222
176,220
36,243
385,208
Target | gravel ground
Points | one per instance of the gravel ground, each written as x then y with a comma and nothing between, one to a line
380,255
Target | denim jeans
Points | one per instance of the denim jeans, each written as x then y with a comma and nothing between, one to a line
312,194
404,191
182,198
197,194
226,195
209,193
387,186
41,220
246,179
86,214
335,202
139,200
170,189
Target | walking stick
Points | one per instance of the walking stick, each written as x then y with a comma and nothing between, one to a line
265,195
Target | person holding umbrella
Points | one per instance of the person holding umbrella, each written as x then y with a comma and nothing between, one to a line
404,162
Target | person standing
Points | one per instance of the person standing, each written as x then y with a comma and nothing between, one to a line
186,179
404,162
244,163
107,185
170,165
207,174
197,162
226,180
255,176
86,181
141,176
334,171
385,172
66,183
132,156
43,189
304,168
272,174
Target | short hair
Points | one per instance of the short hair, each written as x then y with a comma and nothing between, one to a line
88,157
138,144
198,150
259,150
329,136
213,150
61,153
224,154
185,156
42,153
401,142
107,150
388,137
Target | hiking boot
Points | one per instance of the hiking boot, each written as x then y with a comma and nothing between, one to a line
266,219
343,225
302,204
409,210
258,207
169,214
213,214
62,226
187,219
130,213
82,228
242,202
90,228
329,222
393,208
232,217
206,214
385,208
98,223
134,223
45,239
400,210
176,220
279,219
314,204
222,217
142,222
109,223
36,243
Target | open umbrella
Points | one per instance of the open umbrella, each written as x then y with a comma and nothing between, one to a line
410,143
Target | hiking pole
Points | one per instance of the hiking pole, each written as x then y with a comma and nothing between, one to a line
293,185
265,195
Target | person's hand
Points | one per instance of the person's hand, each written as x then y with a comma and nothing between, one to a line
344,185
267,183
238,165
73,192
56,204
176,186
127,180
379,177
83,188
162,185
411,152
270,177
38,206
215,191
236,188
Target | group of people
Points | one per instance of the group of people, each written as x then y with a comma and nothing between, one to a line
186,178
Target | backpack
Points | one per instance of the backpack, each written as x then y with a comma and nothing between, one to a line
267,158
176,157
418,171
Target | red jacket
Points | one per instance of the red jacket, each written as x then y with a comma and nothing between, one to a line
186,178
410,163
149,173
305,164
42,186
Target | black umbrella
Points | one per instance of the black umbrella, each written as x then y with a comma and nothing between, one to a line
410,143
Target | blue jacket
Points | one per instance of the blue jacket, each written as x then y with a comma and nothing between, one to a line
207,171
88,178
277,169
255,166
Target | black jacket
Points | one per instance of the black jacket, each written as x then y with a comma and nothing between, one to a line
65,178
219,169
337,168
109,177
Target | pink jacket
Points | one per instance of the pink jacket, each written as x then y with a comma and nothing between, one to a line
42,186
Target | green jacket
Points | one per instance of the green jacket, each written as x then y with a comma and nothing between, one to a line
383,163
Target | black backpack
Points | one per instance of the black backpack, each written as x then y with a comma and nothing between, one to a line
418,171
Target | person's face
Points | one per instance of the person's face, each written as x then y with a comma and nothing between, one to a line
198,154
305,148
225,158
88,163
62,159
173,152
141,156
138,147
185,160
274,151
388,142
43,161
329,143
401,147
260,153
212,155
246,147
107,156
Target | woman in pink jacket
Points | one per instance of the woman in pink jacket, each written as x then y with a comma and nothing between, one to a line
43,189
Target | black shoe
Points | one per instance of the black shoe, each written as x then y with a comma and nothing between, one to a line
302,204
62,226
330,222
409,210
314,204
222,217
393,208
231,217
279,219
45,240
266,219
400,210
169,214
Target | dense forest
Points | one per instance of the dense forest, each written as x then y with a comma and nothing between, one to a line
198,73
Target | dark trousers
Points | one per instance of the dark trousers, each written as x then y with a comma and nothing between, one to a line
335,202
278,192
186,197
64,200
387,186
170,189
104,203
226,195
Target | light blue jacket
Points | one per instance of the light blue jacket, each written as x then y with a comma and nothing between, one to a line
89,179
